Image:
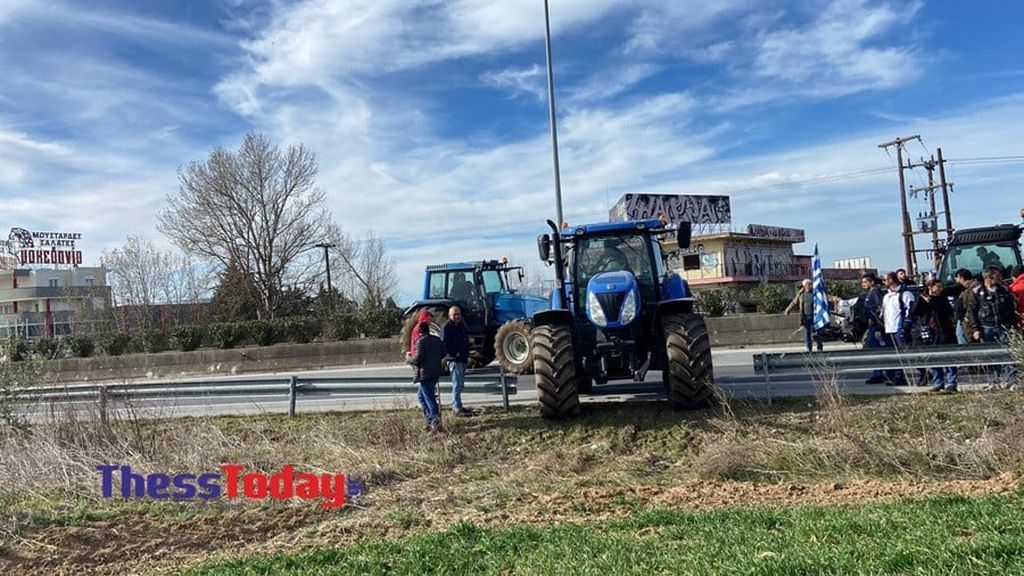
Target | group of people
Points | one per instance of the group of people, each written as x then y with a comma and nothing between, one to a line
986,309
427,353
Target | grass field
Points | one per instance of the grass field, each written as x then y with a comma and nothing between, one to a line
765,488
941,535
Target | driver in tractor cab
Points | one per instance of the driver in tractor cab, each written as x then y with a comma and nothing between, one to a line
612,259
462,289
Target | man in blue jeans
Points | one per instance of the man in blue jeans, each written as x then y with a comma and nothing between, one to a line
429,352
456,346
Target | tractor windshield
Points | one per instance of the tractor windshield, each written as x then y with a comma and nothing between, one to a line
977,258
627,252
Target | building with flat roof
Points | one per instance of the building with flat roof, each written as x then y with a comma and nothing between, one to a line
37,303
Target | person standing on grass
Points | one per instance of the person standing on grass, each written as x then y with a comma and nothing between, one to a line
933,326
456,346
872,318
896,306
991,311
804,302
427,358
1017,291
967,282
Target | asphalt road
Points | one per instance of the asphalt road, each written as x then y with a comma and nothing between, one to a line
734,375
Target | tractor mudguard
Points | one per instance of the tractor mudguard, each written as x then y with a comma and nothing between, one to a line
428,303
548,317
676,306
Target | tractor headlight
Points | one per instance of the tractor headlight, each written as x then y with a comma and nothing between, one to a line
628,313
596,312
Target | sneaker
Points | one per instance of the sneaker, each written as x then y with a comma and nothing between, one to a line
949,390
463,413
936,389
874,380
897,382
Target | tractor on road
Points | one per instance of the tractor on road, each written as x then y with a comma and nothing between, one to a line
497,316
976,249
616,312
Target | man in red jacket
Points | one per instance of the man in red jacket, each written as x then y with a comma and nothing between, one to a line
1017,290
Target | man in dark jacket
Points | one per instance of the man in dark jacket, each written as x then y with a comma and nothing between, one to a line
873,318
933,326
456,345
427,360
991,313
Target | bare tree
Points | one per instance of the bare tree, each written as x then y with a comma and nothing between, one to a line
367,270
141,276
258,207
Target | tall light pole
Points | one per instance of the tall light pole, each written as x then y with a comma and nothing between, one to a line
327,261
551,110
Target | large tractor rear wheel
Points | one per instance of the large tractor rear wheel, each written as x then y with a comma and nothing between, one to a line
555,371
688,374
512,346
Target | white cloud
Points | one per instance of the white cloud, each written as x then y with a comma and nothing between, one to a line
531,81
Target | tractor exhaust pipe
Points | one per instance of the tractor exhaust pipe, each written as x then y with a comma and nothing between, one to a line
559,267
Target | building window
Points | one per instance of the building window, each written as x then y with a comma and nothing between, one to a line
54,282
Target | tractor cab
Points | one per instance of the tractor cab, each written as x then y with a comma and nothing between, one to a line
976,249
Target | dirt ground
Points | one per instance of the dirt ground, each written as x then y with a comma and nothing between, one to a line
160,544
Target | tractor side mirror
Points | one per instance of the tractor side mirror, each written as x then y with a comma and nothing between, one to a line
544,247
683,233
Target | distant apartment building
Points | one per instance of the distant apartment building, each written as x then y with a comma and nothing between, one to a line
37,303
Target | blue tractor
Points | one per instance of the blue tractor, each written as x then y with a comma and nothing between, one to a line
498,318
616,312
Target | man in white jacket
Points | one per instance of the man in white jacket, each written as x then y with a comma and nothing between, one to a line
896,306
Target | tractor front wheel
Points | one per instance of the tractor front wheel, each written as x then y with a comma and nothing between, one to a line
688,374
555,367
512,346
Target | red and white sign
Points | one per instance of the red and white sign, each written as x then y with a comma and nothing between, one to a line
27,248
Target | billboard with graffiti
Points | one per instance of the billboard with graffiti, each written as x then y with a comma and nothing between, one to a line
677,207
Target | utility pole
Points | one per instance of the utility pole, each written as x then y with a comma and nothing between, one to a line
908,234
945,197
551,112
327,261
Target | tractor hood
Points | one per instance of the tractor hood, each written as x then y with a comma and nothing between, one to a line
613,299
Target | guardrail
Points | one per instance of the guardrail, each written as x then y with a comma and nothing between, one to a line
292,386
871,359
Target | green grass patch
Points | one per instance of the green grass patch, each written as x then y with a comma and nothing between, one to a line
942,535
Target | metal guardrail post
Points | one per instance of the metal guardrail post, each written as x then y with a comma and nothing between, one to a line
103,405
767,376
504,387
293,384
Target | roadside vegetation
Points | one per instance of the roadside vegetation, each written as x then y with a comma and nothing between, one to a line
511,476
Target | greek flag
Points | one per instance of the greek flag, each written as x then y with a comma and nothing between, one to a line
820,296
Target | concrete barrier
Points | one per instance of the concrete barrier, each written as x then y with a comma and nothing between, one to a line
234,361
754,329
738,330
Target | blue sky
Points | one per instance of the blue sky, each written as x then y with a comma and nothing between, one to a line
429,118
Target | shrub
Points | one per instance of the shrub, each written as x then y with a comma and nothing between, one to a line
301,330
49,348
80,346
265,332
16,348
228,334
187,338
342,327
843,289
154,340
115,343
714,302
381,322
772,298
